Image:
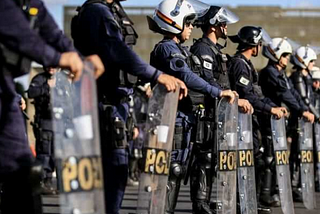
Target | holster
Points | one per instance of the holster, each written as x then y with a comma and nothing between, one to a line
116,129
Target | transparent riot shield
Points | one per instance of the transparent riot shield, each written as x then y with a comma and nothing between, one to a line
227,141
279,139
77,143
161,115
245,170
307,168
317,151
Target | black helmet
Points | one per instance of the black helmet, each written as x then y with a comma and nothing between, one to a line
251,36
215,16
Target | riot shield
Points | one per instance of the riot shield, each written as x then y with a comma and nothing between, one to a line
317,151
227,141
307,168
282,164
245,170
77,143
161,115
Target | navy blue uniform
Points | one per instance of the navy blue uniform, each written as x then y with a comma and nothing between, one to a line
211,68
214,71
177,61
43,47
244,80
99,33
170,57
278,87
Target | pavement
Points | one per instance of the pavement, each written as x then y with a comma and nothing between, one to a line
51,204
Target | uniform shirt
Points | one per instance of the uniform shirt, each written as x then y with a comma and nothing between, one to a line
243,79
278,87
43,47
208,60
211,69
170,57
101,34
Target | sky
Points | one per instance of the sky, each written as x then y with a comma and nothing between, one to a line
55,7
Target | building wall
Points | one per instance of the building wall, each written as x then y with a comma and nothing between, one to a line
300,25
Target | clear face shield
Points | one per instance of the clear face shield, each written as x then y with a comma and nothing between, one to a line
199,8
224,16
263,37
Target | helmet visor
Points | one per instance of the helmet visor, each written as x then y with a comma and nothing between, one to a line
264,37
293,44
316,49
199,8
226,16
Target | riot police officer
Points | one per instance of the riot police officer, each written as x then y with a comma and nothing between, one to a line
96,30
170,56
39,90
214,70
278,87
244,79
20,42
303,61
130,37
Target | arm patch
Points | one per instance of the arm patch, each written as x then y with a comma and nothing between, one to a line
244,81
207,65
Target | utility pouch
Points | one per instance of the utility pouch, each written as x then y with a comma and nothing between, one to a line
178,137
119,140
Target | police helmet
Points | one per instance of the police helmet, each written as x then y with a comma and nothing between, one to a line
303,56
216,15
251,36
170,16
277,48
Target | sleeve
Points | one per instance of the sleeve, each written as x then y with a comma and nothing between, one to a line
296,94
38,87
109,44
240,79
50,32
179,68
299,84
278,82
16,34
208,63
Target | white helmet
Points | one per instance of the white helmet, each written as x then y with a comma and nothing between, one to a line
276,48
303,56
170,15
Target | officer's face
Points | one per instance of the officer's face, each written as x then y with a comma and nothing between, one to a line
223,30
185,35
311,64
284,60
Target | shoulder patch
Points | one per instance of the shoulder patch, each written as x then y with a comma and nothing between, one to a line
179,63
207,58
244,81
207,65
